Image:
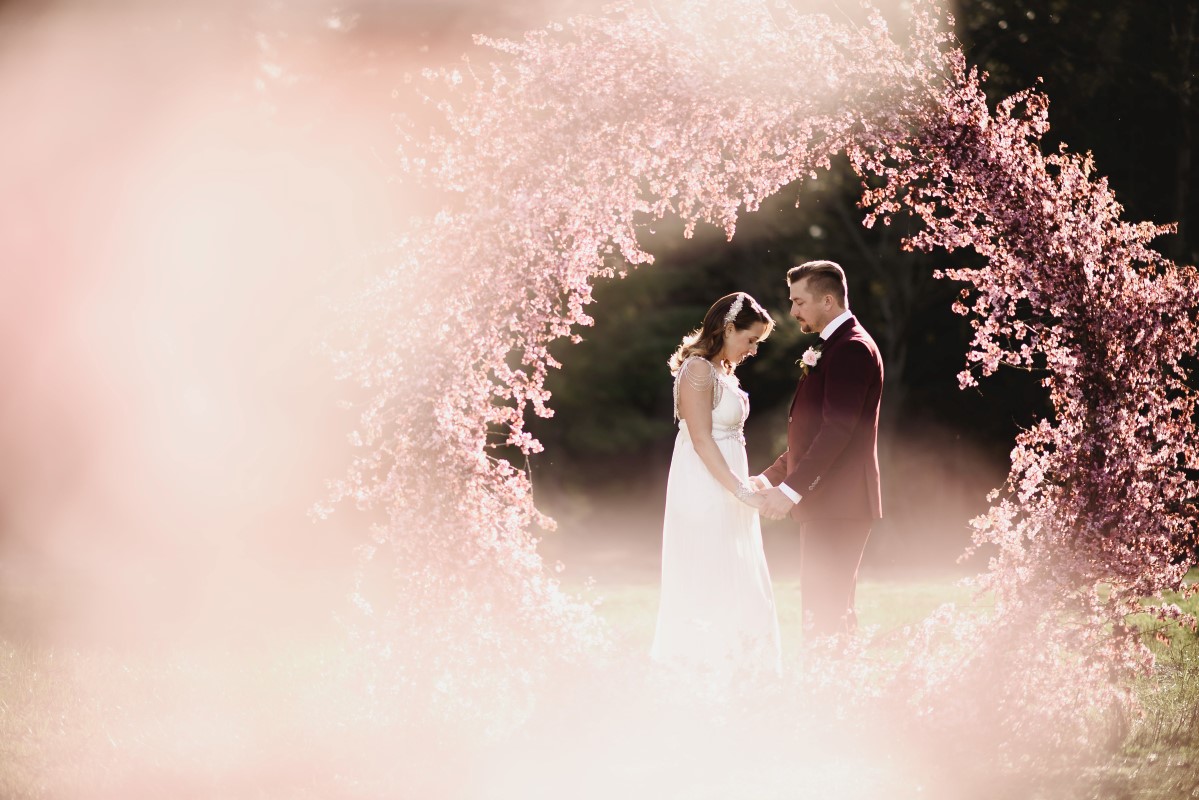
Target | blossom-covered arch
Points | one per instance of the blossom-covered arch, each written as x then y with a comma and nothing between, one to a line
550,150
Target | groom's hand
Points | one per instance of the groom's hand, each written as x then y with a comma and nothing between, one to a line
775,504
759,483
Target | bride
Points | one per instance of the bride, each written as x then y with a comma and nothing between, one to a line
717,606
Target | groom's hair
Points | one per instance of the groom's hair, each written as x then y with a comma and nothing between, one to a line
824,277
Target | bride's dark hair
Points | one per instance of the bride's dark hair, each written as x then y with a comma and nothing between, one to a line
708,339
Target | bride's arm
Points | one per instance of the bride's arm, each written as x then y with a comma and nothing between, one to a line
696,385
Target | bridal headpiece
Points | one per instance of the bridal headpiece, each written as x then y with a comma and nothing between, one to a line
735,308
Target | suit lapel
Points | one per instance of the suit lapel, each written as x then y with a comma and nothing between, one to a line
842,330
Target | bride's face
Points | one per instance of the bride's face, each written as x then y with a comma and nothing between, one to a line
740,345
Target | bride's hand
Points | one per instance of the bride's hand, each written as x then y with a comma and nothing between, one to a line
746,494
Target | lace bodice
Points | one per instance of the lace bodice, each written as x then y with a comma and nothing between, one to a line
730,405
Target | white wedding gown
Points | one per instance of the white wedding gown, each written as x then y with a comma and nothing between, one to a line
717,607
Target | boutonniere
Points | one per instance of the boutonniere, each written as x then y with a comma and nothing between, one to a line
810,358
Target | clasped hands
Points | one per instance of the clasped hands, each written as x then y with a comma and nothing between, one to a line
770,502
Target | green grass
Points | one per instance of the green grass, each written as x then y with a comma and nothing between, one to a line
76,723
1159,759
884,607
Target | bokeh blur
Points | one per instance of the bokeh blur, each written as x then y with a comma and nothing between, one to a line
185,184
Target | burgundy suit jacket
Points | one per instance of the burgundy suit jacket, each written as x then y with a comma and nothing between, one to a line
832,431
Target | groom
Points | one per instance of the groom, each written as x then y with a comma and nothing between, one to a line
827,480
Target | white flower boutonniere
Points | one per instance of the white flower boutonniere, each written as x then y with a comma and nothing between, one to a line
809,359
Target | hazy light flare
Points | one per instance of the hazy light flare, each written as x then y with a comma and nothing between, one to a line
168,429
167,242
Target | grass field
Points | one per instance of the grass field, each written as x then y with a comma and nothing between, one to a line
265,721
884,607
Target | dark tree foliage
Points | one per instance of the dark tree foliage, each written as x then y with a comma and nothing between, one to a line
1121,79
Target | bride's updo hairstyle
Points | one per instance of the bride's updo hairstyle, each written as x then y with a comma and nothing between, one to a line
708,339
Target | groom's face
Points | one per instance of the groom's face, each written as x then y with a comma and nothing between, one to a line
809,311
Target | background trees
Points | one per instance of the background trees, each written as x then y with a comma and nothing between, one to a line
1120,78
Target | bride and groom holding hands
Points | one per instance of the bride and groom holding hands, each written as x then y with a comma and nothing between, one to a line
717,605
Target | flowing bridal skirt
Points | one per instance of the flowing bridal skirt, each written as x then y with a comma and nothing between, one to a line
717,606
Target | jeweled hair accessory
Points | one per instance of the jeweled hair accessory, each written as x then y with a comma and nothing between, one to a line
735,308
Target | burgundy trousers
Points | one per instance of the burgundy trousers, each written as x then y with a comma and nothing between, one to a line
830,554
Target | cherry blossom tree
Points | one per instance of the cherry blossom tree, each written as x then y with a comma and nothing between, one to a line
547,154
1098,510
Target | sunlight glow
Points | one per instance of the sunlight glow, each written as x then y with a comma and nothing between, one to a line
186,194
